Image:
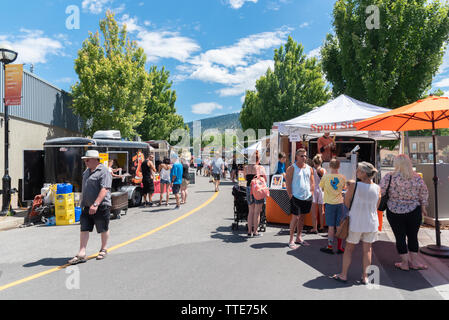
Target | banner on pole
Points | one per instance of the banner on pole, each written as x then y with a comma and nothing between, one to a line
13,84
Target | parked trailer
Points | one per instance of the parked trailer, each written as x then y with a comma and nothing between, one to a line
63,163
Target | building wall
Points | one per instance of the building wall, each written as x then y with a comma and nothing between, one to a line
43,114
421,149
25,135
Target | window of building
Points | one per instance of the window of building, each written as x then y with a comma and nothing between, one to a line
430,145
414,146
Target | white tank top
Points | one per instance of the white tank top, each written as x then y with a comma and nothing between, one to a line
363,214
165,174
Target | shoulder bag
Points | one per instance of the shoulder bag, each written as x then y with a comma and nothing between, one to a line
384,198
343,228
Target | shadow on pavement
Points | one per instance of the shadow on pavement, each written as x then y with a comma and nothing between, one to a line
384,253
228,236
48,262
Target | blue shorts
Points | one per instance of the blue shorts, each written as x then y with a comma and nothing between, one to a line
334,214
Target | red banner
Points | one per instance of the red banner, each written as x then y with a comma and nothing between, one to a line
13,84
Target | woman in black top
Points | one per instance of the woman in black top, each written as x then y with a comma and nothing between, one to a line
234,168
147,180
254,206
185,180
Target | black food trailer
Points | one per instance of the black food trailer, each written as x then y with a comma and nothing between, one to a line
63,163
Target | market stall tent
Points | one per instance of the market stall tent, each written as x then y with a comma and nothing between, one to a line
336,116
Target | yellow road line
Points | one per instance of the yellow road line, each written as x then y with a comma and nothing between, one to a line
44,273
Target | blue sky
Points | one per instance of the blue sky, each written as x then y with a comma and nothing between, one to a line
214,49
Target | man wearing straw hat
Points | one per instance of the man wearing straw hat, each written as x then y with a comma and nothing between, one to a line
96,205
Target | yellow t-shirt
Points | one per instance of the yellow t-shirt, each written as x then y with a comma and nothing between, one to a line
333,185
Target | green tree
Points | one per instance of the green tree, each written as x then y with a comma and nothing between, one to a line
295,87
113,85
160,113
392,65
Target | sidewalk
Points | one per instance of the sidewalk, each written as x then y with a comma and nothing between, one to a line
438,272
12,222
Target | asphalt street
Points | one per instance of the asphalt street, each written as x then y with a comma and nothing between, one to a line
189,254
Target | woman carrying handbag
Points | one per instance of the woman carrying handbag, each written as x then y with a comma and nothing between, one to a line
406,200
363,219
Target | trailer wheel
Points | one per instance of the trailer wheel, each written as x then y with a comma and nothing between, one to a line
136,198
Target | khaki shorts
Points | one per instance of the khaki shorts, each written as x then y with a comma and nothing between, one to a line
356,237
185,183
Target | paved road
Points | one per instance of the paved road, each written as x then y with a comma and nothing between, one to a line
197,256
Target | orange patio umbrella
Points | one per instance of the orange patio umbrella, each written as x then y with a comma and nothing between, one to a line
429,113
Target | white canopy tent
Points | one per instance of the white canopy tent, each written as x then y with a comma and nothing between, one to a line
337,116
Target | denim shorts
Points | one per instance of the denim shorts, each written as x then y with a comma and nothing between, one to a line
250,198
333,214
165,181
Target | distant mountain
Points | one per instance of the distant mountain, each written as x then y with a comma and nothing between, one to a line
228,121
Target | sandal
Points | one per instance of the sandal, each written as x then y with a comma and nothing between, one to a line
337,278
363,281
398,265
77,259
293,246
102,254
418,267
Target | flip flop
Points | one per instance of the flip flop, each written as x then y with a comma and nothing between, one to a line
397,265
362,281
419,267
337,278
303,243
293,246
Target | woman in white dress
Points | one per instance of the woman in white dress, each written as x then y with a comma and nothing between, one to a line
363,219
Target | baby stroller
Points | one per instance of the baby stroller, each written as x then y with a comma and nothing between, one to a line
241,209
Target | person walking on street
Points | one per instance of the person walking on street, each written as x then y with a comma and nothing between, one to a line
300,187
333,185
408,198
234,169
254,169
96,204
185,180
217,167
363,219
318,200
148,171
176,179
164,174
199,166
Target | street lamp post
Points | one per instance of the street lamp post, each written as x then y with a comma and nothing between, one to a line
7,55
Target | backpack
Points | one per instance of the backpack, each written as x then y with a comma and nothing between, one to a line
259,188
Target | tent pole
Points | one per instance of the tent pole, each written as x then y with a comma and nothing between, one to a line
438,250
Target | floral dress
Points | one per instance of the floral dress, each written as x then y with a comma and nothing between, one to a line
404,194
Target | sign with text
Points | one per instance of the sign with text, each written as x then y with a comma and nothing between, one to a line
13,84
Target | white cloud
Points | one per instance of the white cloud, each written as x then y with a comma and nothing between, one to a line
304,25
206,108
236,67
161,44
33,46
315,53
444,83
237,4
95,6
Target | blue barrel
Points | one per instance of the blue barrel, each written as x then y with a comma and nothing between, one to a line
77,213
63,188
